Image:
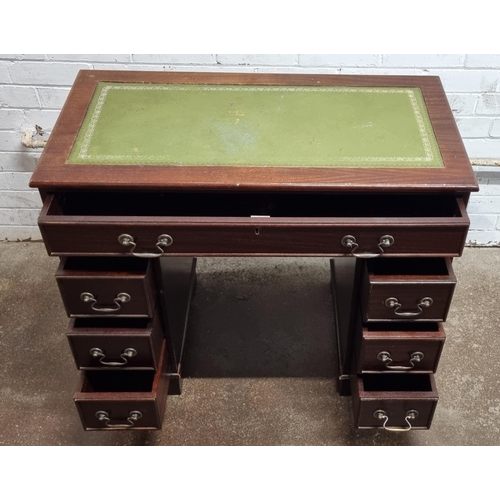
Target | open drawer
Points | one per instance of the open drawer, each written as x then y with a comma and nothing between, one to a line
120,400
407,289
395,402
107,287
116,343
398,347
152,224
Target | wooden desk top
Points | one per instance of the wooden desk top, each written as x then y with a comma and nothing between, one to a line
149,130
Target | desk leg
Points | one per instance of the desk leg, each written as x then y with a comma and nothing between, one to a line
345,284
176,280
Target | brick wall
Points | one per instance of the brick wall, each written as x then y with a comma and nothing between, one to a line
33,89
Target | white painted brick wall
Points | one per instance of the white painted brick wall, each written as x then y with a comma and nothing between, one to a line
33,88
471,126
482,61
339,61
488,104
482,148
484,208
16,96
495,128
463,104
45,72
174,58
424,61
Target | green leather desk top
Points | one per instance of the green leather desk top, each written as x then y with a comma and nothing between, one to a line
256,126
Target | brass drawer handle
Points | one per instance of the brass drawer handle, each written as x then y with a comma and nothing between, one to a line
133,417
120,299
164,240
349,241
410,415
393,303
128,353
385,357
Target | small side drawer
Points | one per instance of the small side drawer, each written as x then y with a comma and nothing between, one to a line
399,347
107,287
128,400
396,402
407,289
116,343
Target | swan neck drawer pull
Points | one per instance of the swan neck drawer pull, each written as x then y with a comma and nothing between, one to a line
133,417
128,353
349,241
393,303
386,358
120,299
410,415
164,240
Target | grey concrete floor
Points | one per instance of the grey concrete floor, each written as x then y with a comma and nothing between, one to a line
260,359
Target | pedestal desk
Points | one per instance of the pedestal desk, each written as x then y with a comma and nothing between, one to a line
145,171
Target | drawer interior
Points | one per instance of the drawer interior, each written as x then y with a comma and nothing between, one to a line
396,326
245,204
123,381
119,324
408,266
396,382
104,265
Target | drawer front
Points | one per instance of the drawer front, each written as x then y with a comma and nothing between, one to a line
408,301
396,355
407,289
106,294
116,348
138,414
197,236
370,415
250,238
397,346
396,408
133,400
106,297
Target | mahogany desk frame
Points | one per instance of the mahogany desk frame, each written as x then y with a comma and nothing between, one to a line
57,180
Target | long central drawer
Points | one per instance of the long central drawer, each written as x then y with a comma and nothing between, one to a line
154,224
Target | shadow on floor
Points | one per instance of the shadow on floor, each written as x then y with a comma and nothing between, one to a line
250,322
